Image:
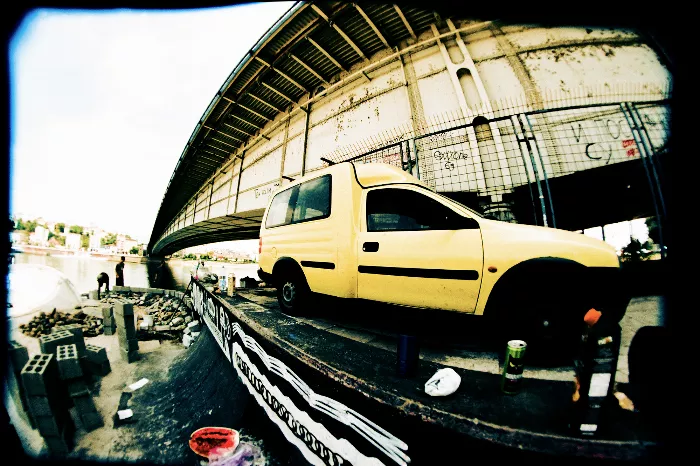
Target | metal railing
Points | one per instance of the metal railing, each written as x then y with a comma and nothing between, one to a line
513,165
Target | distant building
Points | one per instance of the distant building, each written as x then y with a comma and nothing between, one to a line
73,241
40,237
96,239
20,237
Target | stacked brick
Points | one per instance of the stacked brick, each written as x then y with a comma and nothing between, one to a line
126,332
96,360
49,343
78,339
108,322
18,359
71,373
47,404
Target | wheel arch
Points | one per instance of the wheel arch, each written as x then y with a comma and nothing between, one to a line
525,273
286,264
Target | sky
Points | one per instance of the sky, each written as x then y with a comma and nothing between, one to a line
103,103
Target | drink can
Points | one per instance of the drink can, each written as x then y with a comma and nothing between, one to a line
513,367
231,286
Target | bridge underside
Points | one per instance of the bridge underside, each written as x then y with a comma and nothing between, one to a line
586,199
245,225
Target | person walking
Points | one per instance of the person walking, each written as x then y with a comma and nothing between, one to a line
120,272
102,279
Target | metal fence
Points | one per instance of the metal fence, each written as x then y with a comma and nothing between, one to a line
540,166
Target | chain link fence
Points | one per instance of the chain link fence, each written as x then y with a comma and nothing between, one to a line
598,157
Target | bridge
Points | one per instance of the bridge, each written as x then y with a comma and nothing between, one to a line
564,127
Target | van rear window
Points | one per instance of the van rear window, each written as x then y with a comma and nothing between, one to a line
307,201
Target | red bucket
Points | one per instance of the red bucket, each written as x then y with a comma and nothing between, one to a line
214,442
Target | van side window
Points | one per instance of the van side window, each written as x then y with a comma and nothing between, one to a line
403,210
307,201
314,200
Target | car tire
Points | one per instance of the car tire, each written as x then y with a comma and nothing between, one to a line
548,322
292,293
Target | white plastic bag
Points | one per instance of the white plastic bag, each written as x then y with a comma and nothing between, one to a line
444,382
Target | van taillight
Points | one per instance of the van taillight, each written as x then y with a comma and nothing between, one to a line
260,247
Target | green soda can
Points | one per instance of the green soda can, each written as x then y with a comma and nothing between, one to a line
513,367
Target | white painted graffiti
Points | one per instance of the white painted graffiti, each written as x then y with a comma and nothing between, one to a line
318,445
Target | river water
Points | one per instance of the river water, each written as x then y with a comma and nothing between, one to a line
82,271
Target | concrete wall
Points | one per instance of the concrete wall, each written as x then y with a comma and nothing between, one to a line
500,71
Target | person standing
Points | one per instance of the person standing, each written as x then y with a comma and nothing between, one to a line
120,272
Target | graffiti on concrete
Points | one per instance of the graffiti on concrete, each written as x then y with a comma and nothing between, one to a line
266,190
603,137
449,158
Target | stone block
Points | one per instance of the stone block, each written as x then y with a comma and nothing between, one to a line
49,343
91,421
99,369
123,309
109,330
77,388
68,362
96,353
39,375
107,312
126,331
19,356
39,406
130,356
84,404
94,295
128,344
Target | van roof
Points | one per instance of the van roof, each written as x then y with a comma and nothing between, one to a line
374,174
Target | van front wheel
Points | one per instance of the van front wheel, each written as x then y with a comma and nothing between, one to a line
292,294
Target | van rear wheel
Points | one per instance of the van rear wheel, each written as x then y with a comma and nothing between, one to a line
292,293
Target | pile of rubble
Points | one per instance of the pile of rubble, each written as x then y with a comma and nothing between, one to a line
159,316
42,323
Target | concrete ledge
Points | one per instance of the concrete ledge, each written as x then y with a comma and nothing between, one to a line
365,376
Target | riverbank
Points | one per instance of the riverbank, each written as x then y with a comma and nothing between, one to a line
47,251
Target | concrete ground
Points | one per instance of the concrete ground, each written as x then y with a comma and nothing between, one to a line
642,311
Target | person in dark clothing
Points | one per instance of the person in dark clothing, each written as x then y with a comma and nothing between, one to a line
102,279
159,277
120,272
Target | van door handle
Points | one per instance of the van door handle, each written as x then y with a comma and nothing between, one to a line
371,246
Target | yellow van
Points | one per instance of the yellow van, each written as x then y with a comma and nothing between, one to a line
375,232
